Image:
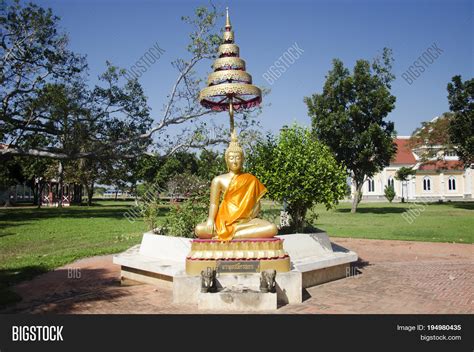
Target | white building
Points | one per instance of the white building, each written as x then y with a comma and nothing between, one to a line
443,178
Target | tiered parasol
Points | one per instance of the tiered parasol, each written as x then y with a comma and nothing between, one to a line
229,87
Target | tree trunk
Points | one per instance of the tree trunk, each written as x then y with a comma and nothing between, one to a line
357,197
78,194
39,189
35,190
8,202
60,184
90,192
298,215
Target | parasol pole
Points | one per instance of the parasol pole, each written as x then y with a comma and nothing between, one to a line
231,116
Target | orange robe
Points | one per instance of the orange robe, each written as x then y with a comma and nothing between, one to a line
238,204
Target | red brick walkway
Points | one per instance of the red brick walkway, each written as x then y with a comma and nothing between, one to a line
394,277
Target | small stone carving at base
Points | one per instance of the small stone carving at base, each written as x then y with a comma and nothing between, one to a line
267,281
208,280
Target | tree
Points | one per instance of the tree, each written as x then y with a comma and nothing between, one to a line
186,185
210,164
116,115
49,111
452,130
389,192
11,173
159,170
461,128
432,139
32,54
34,171
403,174
300,170
349,116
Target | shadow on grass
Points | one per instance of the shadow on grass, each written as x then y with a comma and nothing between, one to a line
463,205
379,210
20,215
5,234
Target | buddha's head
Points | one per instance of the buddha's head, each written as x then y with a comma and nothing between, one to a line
234,155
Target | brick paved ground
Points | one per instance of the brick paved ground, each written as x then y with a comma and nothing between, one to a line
395,277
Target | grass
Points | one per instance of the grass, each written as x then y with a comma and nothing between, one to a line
34,241
437,222
446,222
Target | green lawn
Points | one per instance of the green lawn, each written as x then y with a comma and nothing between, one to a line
33,241
446,222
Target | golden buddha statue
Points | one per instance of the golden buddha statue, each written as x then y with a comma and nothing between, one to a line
233,235
236,217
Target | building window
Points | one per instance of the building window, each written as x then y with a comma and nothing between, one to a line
450,153
452,183
426,184
390,182
371,185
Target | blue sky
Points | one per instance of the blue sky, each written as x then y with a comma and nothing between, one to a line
122,31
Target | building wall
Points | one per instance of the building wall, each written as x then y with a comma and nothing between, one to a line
435,188
460,186
414,186
381,180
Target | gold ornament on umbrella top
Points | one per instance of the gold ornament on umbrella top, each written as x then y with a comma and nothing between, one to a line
229,87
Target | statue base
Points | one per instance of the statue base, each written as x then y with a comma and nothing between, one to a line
162,260
237,256
232,299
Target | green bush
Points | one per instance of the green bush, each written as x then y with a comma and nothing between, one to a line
389,193
183,217
151,213
300,170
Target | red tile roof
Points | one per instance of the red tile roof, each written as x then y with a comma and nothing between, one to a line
404,154
441,165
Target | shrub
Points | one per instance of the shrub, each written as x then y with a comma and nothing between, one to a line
183,217
300,170
389,193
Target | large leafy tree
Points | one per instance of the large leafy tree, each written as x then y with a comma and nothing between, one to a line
210,164
49,111
298,169
432,138
452,130
350,117
35,55
461,128
159,169
32,54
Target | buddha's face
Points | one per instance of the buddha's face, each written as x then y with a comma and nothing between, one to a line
235,161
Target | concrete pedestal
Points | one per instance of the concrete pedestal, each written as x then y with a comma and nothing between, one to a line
160,260
186,289
317,259
231,300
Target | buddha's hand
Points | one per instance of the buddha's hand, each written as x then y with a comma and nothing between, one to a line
210,226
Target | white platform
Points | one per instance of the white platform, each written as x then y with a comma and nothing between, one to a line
314,260
315,251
